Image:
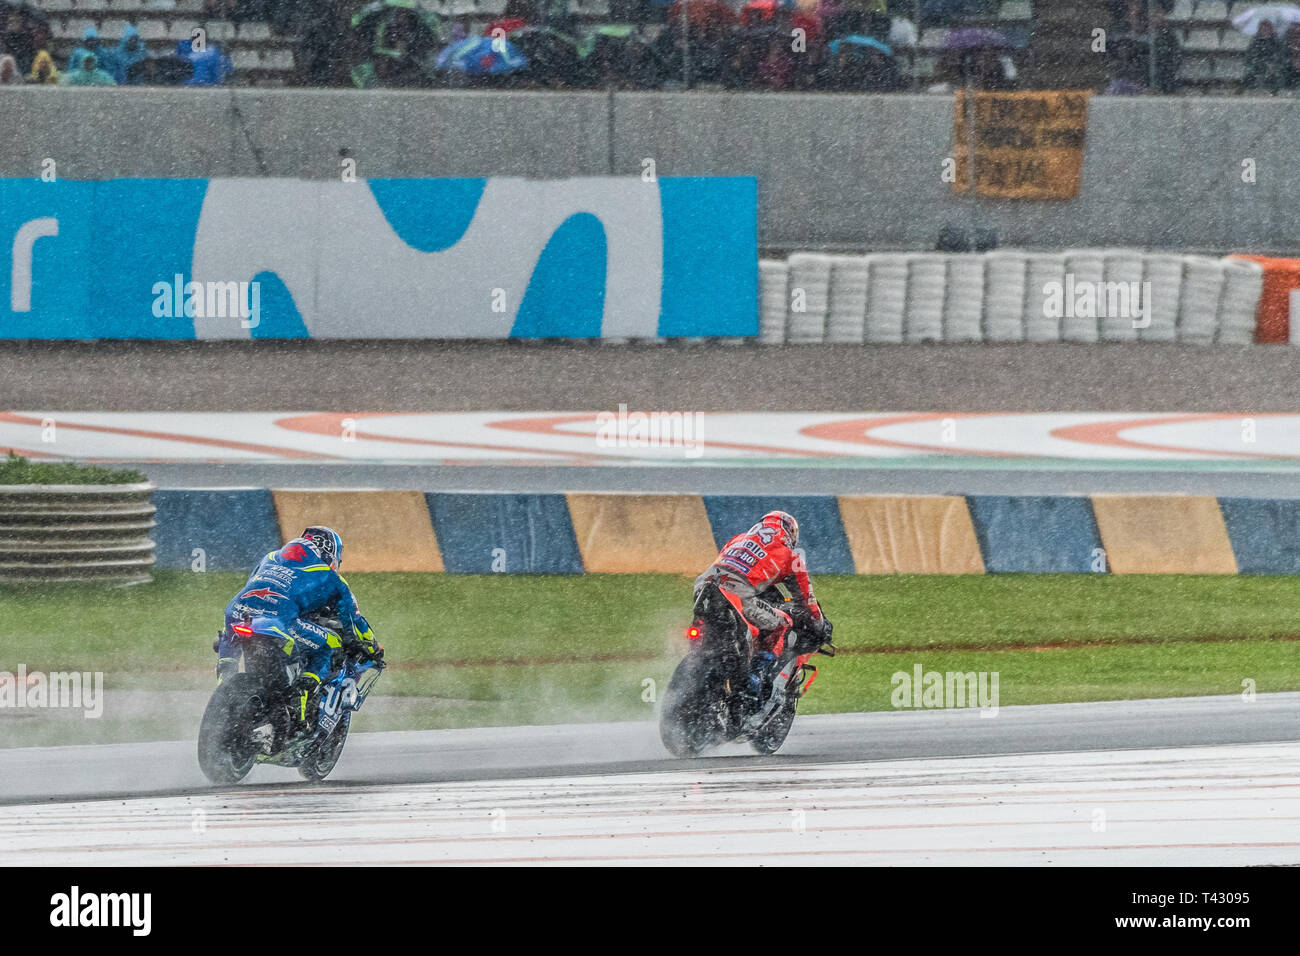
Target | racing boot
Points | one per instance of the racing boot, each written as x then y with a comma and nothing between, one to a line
227,652
226,666
304,701
760,676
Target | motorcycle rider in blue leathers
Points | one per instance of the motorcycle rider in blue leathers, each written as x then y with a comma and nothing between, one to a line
287,586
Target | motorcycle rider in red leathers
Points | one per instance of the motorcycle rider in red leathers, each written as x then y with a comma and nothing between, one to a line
748,564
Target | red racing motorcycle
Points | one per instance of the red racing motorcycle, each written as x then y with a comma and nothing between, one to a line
715,695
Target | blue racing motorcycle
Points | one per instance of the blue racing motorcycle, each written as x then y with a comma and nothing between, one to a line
250,716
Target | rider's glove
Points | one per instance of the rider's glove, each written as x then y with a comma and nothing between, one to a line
824,629
800,615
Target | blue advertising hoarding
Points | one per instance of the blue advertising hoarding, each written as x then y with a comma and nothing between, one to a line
400,258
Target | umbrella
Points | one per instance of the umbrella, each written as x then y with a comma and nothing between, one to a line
550,53
505,25
1279,14
766,8
857,39
757,11
481,56
703,12
620,48
401,38
605,33
383,7
977,38
622,39
375,20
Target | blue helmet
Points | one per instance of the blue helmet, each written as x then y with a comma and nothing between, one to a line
327,544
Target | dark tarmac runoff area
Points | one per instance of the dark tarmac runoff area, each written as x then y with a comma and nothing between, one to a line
709,376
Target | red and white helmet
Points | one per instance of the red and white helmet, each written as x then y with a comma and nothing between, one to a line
785,524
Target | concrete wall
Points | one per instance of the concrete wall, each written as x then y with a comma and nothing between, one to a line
833,170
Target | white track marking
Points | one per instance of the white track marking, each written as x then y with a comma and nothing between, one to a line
718,437
1236,804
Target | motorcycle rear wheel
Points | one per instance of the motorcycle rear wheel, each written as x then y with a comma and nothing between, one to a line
683,715
226,749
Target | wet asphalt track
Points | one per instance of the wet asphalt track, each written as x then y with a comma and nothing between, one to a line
966,479
45,774
543,376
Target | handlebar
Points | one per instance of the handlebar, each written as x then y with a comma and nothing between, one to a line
331,623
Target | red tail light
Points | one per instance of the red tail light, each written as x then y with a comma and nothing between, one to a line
693,633
243,630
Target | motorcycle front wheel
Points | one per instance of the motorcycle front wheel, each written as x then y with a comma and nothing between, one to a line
769,737
324,757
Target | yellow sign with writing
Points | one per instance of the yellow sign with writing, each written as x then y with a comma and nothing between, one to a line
1028,145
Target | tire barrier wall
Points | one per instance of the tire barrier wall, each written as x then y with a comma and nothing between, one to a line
51,533
1279,297
1086,295
680,534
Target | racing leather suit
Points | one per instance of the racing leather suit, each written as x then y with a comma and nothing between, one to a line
747,565
285,587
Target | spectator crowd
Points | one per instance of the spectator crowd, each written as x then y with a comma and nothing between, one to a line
862,45
828,45
766,44
1273,61
26,57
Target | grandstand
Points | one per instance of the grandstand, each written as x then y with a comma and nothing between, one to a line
258,53
1213,56
266,56
1051,44
1214,53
